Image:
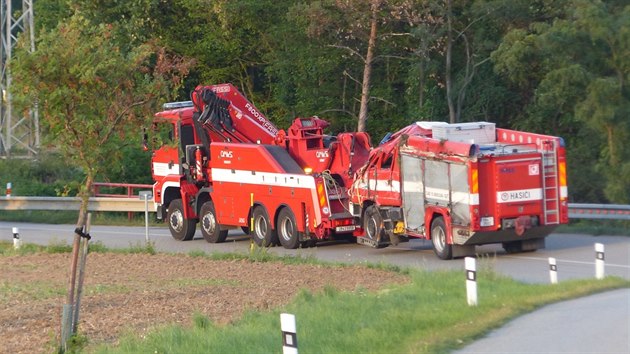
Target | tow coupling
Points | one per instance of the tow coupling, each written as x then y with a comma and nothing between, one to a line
521,224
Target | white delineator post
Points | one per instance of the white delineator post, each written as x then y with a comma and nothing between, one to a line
9,187
16,238
289,333
471,280
599,261
146,195
553,271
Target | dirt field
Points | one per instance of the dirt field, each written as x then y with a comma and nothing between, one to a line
139,291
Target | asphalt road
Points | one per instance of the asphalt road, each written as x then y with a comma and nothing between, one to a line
575,254
594,324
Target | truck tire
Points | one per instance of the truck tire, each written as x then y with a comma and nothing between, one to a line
210,229
287,229
262,234
373,223
182,229
438,237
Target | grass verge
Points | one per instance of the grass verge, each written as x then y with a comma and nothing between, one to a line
429,315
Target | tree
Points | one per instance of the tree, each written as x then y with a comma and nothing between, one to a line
90,93
573,72
355,27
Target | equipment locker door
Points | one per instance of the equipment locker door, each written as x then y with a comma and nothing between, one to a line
519,187
412,176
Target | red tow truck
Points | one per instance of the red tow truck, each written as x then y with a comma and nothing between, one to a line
221,163
462,185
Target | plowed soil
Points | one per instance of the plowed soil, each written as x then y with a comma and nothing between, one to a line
139,291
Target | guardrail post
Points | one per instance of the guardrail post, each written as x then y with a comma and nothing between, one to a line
471,280
553,271
599,261
289,333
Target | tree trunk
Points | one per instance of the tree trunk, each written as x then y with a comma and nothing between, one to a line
367,72
449,49
84,195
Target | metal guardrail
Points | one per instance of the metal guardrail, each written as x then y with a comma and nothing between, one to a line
71,203
599,211
136,204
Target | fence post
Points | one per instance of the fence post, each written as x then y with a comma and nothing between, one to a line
599,261
289,333
471,280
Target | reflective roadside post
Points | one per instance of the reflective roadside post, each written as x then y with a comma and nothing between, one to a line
599,261
146,195
471,280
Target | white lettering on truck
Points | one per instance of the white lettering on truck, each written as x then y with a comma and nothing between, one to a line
523,195
264,122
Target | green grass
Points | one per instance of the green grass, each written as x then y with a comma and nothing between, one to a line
35,290
55,246
428,315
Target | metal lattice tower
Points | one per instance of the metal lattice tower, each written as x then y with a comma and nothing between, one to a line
19,136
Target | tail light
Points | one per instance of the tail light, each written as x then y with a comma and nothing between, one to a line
323,199
564,193
474,197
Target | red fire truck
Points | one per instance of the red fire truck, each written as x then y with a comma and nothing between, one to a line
221,163
462,185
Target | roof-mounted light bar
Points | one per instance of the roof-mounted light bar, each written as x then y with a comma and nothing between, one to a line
176,105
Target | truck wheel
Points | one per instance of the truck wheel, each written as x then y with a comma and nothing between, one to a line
438,237
373,223
263,235
182,229
287,229
210,229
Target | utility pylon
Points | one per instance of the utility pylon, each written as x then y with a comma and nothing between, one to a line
19,132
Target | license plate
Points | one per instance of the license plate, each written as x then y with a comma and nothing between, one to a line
345,228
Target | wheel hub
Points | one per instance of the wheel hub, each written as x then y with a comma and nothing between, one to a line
209,223
177,221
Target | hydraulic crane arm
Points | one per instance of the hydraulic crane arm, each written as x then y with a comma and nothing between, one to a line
230,117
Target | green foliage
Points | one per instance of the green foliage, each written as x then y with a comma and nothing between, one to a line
575,83
90,92
48,175
429,315
556,67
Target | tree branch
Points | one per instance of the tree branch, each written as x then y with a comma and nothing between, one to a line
382,100
125,111
352,51
345,72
